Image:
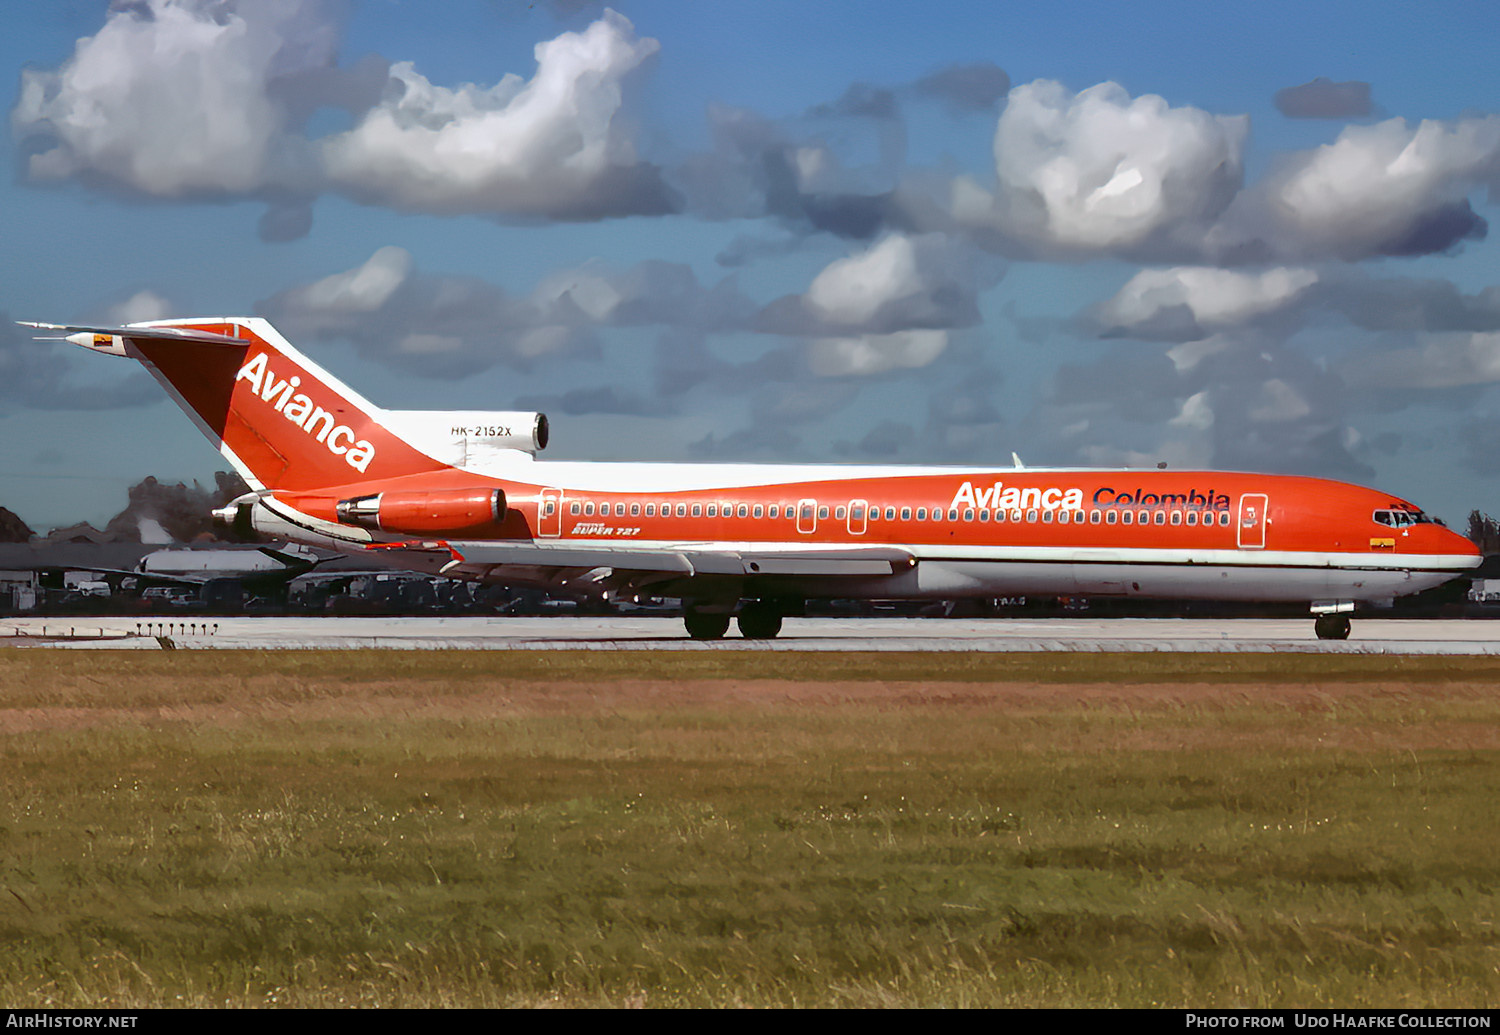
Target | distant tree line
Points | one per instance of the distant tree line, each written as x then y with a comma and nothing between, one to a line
1485,532
182,512
12,528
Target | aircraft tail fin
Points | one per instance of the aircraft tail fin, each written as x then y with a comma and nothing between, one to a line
281,420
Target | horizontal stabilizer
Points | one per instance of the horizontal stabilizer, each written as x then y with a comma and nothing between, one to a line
181,334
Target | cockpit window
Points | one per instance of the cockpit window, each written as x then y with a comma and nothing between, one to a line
1400,517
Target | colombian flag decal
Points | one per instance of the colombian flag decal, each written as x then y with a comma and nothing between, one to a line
1382,544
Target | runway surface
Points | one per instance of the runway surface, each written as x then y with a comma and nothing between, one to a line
1370,636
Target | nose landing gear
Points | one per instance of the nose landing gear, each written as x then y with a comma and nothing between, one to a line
1331,618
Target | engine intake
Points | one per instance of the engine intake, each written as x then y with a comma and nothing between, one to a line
444,512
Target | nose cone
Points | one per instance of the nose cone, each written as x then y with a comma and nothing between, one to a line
1435,539
1463,544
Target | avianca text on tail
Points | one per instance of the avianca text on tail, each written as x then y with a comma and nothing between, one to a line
304,413
463,494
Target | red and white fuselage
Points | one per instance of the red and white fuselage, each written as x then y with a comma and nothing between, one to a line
462,493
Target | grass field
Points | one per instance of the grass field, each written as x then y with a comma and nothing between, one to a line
719,829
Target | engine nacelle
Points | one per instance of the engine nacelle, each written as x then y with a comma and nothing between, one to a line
443,512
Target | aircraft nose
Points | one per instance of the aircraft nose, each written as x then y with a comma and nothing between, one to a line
1450,542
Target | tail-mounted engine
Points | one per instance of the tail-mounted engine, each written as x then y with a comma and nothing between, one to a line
467,438
444,512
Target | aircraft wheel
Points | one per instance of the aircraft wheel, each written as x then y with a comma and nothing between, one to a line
706,625
759,621
1332,627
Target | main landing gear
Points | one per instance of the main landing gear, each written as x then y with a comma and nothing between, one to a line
1332,626
758,620
706,625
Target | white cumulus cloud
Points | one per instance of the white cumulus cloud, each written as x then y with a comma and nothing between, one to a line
1213,298
1386,189
1442,361
900,283
362,290
1099,171
871,354
170,98
195,99
551,146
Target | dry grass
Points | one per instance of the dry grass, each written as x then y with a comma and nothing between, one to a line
489,829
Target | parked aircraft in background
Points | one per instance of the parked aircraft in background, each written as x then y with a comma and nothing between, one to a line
461,493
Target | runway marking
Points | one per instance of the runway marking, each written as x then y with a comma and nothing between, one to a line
1370,636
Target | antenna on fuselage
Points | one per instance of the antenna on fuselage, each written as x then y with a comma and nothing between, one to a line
1016,462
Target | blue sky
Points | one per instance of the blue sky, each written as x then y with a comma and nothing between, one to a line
1247,236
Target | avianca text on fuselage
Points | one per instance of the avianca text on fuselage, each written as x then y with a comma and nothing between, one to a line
1005,497
1012,498
307,415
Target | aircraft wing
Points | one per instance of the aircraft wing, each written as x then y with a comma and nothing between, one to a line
492,558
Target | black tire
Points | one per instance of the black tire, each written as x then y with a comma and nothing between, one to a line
1332,627
706,625
760,621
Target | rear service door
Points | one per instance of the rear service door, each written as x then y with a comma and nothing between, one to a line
549,514
1252,523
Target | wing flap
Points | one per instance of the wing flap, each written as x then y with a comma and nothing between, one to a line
868,562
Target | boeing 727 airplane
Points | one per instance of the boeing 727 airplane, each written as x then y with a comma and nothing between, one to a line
462,494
